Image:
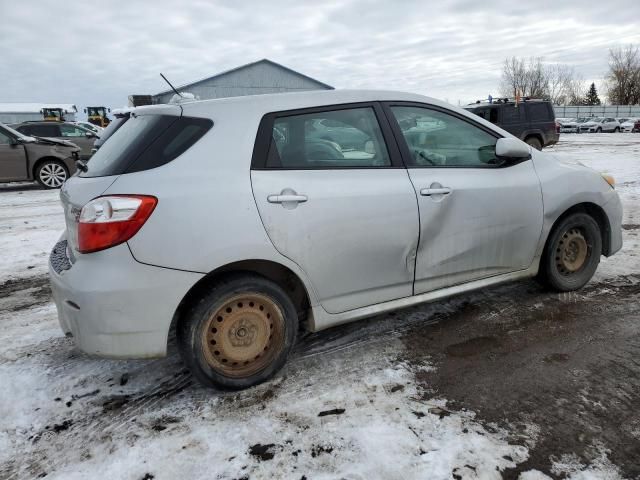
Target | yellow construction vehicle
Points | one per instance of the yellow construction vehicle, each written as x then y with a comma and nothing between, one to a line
98,115
53,114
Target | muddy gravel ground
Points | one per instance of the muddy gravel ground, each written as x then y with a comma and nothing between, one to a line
509,382
570,364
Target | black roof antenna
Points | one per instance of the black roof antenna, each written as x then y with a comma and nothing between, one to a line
172,87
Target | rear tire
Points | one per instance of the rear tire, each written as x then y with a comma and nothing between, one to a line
238,333
572,253
534,142
51,174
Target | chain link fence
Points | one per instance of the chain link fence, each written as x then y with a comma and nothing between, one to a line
616,111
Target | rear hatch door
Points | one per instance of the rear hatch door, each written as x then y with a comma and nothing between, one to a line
112,160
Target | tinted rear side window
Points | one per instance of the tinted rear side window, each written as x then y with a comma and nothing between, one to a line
40,130
145,142
539,111
513,114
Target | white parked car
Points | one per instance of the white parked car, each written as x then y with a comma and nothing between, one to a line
238,223
90,126
599,125
629,124
568,125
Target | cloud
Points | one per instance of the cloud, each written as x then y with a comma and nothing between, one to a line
98,53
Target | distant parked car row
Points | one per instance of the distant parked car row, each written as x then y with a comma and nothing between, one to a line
598,125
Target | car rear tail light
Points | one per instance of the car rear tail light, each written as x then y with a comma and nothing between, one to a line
111,220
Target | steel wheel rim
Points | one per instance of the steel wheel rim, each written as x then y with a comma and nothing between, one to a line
572,252
244,335
53,175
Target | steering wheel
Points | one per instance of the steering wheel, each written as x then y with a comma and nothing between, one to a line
421,154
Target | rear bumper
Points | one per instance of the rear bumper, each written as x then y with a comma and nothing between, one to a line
116,307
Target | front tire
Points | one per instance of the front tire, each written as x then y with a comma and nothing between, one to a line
572,253
239,333
616,130
598,130
51,174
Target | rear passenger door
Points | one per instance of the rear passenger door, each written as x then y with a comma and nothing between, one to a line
335,198
514,120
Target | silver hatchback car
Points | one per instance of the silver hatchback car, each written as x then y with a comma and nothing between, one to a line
234,220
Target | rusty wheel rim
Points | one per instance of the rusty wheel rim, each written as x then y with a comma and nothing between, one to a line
572,252
244,335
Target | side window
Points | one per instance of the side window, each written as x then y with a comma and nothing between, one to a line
512,114
437,139
330,139
71,131
489,114
539,111
4,138
41,130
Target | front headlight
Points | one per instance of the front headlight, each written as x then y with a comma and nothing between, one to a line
609,179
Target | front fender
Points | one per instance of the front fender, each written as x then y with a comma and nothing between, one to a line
565,185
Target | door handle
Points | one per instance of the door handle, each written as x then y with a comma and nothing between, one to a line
435,191
282,198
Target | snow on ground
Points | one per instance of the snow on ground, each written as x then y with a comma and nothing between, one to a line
346,407
618,155
31,220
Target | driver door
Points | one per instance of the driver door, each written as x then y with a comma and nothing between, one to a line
479,217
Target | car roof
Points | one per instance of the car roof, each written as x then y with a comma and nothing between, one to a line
45,122
262,104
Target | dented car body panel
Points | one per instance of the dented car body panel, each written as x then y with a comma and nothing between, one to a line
368,236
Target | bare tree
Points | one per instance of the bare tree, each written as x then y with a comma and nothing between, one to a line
564,85
575,89
513,77
533,78
527,78
623,79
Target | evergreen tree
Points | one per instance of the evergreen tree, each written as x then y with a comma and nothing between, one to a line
592,96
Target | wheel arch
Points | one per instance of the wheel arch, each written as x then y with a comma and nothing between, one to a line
283,276
41,160
597,213
537,135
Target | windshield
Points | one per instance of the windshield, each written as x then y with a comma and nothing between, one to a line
595,119
96,111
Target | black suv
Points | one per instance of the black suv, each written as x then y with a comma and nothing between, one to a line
532,121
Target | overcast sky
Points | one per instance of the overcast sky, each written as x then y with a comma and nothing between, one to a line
97,53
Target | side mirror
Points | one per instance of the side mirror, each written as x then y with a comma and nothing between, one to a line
512,148
89,135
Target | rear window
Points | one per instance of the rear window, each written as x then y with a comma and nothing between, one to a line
114,125
145,142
